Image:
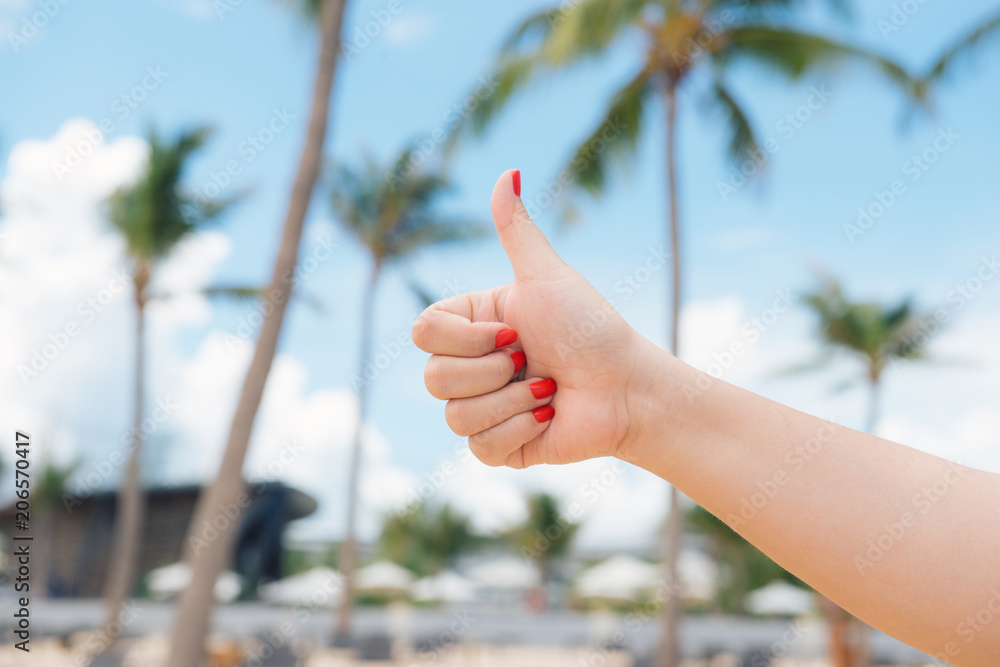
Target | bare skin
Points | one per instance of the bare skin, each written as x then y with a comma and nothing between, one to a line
906,541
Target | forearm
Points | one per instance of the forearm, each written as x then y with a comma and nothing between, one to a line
904,540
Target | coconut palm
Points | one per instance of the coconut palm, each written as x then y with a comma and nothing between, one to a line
878,337
746,566
392,212
544,535
426,540
153,216
687,47
48,490
962,49
192,616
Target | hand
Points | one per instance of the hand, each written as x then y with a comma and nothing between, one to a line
568,333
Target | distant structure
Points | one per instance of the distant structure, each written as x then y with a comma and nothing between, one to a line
79,536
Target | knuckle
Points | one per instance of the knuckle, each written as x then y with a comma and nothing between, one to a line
454,414
481,447
421,333
434,379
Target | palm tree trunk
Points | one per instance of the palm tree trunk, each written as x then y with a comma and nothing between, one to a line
131,503
859,632
669,649
874,403
349,549
849,636
208,557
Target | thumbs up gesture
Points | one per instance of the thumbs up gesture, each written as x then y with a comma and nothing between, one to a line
537,371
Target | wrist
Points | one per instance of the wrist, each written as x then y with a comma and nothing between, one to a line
659,400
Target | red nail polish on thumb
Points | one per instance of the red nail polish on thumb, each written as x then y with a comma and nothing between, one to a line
516,177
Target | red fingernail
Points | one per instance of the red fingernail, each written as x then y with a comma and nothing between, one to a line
517,182
543,388
519,360
505,337
544,414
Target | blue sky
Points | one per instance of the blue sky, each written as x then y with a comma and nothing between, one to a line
236,72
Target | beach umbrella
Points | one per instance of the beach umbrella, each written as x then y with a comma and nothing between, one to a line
166,582
384,576
620,577
505,572
781,598
447,586
320,586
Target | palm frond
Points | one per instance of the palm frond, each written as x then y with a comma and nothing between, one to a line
742,139
394,211
963,48
614,139
779,8
510,74
156,213
545,41
794,53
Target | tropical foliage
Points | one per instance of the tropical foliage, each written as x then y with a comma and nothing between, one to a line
392,213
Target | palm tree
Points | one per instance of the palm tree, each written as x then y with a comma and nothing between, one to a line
747,567
682,41
426,540
962,49
152,216
545,534
192,615
49,489
878,337
392,213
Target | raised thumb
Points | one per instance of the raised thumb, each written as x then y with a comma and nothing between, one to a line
526,246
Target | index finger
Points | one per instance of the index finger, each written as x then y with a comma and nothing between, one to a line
447,328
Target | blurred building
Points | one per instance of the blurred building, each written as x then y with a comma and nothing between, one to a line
76,538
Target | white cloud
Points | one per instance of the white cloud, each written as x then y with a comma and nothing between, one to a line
409,29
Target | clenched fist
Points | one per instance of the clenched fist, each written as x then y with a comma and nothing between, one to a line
537,371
